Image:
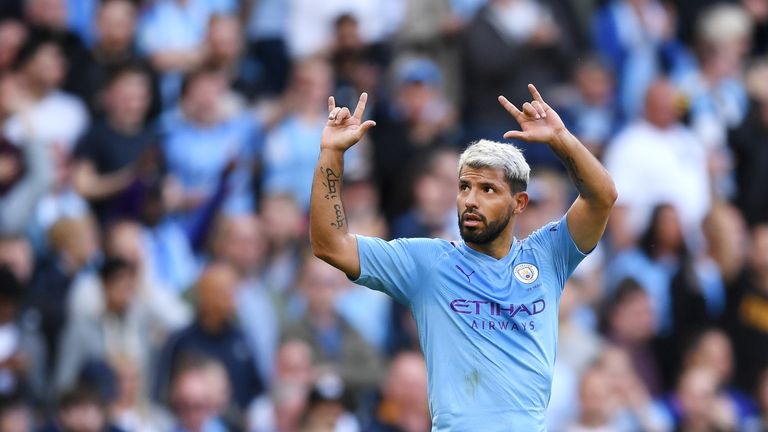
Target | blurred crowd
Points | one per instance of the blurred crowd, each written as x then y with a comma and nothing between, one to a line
156,161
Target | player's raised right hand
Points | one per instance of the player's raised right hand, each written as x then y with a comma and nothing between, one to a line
343,129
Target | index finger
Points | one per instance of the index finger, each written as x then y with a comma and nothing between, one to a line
331,104
535,93
511,108
361,106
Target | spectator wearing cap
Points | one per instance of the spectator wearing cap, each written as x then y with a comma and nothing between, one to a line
327,407
416,119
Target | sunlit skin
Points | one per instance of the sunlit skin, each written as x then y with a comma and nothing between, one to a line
487,210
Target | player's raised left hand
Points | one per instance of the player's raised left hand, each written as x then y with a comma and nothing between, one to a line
538,121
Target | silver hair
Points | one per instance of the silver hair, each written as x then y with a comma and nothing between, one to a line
491,154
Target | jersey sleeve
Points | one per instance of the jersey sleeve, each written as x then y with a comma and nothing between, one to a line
394,267
555,240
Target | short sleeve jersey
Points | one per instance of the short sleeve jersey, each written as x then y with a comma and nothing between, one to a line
488,327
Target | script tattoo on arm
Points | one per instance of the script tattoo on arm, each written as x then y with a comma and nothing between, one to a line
331,183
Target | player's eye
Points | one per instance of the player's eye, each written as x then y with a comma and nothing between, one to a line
463,186
489,189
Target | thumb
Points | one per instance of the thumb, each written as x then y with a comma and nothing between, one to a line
366,125
518,135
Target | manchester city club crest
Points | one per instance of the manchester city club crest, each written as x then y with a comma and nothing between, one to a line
526,273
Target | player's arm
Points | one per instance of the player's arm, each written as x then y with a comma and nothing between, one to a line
588,215
328,229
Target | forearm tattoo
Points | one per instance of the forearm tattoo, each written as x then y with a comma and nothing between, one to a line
331,182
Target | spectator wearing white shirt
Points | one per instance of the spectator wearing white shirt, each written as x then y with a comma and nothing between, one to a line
658,160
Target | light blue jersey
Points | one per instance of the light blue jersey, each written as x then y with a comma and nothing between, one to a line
488,327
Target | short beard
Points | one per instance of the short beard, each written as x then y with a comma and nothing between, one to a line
490,233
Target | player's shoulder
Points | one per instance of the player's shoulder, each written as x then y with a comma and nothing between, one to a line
541,236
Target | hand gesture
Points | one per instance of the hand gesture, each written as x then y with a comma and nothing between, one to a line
343,129
538,121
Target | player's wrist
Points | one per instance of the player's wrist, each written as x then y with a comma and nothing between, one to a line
561,138
330,148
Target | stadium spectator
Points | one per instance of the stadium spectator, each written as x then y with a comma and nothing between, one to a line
403,405
631,325
748,143
225,52
12,35
658,160
698,405
15,414
433,213
52,116
512,30
131,409
50,17
412,122
335,343
215,333
747,309
594,402
119,153
73,249
171,33
191,399
638,39
120,329
240,241
216,174
286,233
591,110
80,409
711,348
284,406
759,421
115,47
291,148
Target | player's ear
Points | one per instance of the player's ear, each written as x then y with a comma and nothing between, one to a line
520,202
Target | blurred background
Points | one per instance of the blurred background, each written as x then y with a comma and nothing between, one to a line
155,169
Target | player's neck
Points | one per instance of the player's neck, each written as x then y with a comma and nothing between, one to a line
497,248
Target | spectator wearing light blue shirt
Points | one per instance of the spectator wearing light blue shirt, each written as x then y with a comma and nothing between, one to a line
207,149
171,33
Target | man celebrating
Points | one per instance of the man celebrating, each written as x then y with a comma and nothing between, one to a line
486,308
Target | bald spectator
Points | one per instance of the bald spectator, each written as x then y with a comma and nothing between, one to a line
216,334
73,248
658,160
404,406
241,242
